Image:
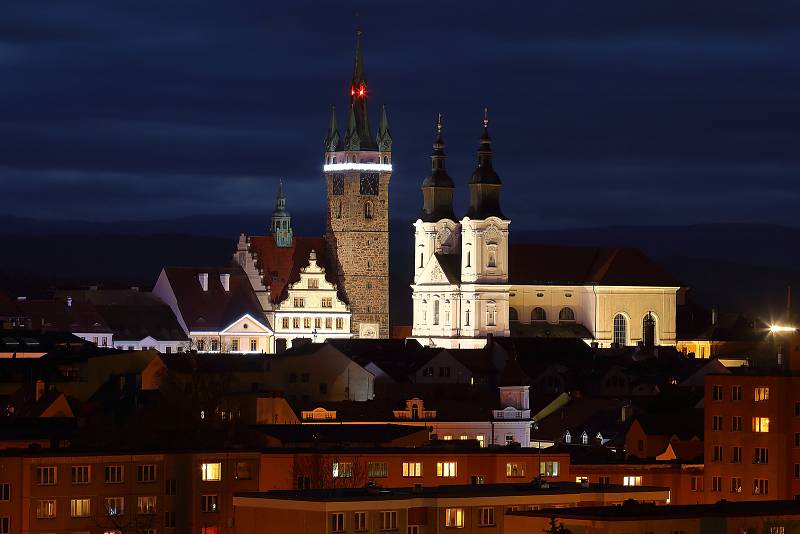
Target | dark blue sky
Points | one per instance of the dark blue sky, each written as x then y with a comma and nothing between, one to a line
630,112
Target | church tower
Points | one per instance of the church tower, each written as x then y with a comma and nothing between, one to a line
281,220
357,172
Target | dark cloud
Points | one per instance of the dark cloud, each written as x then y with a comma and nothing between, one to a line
601,112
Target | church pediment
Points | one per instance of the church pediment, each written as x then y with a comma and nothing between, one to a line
439,270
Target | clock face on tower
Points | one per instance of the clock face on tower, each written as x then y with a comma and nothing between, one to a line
369,183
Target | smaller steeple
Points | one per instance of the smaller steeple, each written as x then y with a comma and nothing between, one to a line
281,220
332,140
352,141
384,138
437,189
485,184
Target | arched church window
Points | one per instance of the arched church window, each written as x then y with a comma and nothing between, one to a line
491,256
436,312
566,314
368,210
538,314
620,329
513,315
447,312
385,160
649,329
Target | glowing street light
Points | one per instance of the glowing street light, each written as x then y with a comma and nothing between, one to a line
777,328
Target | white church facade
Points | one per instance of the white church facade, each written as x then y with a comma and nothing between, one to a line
469,282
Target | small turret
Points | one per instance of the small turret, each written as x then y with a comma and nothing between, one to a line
485,184
281,220
352,141
384,138
437,189
333,139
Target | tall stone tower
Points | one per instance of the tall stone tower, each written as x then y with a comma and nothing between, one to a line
357,172
281,220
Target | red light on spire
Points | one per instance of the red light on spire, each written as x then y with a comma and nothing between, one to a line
352,91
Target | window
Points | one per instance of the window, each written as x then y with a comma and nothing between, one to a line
359,521
760,424
509,439
342,469
716,392
444,372
368,210
513,316
46,509
299,302
760,486
235,345
327,302
716,484
171,487
697,483
146,504
736,393
566,314
337,522
377,470
80,507
427,371
212,471
436,312
717,451
760,394
146,473
81,474
797,439
242,471
761,455
481,440
5,525
209,503
776,530
214,345
447,437
114,505
796,470
5,492
797,409
736,485
620,329
113,474
486,517
454,517
296,322
169,519
491,314
209,530
649,329
284,324
313,283
632,480
538,314
46,476
388,520
736,423
412,469
306,322
716,423
514,469
548,469
323,388
339,323
446,469
736,455
463,437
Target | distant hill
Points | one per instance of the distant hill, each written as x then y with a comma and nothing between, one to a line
733,266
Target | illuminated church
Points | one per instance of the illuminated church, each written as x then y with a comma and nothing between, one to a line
471,281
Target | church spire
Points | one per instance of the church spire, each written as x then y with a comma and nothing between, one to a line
437,189
384,138
332,140
485,184
358,100
352,141
281,220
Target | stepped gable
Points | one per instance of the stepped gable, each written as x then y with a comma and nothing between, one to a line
531,264
280,266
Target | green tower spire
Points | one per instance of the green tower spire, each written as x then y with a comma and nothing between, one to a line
332,140
281,220
352,141
384,138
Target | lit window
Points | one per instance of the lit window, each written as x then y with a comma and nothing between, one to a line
254,344
463,437
412,469
80,507
235,345
632,480
760,394
209,503
515,469
342,469
146,504
481,440
114,505
377,470
760,424
46,509
620,330
760,486
548,469
446,469
454,517
212,471
327,302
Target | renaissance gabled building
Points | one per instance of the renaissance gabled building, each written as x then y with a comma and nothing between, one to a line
471,282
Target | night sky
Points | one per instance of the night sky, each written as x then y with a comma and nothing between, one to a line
634,112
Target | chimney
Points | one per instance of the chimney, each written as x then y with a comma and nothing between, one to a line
69,302
225,280
203,277
39,389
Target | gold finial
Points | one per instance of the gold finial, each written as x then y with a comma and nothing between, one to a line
485,117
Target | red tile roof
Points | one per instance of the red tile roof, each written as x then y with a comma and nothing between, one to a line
281,265
571,265
54,315
215,309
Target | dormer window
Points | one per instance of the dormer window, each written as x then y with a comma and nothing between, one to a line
585,438
567,437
